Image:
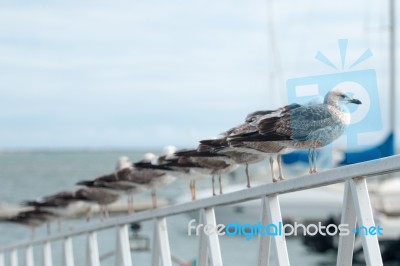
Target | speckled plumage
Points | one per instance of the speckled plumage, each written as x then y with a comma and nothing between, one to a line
300,126
207,163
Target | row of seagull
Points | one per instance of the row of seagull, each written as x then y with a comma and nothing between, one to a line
263,134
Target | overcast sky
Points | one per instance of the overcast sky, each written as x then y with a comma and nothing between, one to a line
150,73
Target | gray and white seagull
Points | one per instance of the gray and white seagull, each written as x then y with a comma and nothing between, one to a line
303,126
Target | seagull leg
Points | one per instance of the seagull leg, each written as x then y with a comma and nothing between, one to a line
279,160
271,163
33,229
58,225
194,189
130,204
88,214
310,160
154,198
48,228
191,188
213,186
128,201
247,175
315,160
192,185
102,213
106,213
220,184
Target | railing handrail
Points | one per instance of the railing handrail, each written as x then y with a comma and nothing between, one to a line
332,176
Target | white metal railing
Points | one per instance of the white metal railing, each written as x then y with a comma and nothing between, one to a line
356,207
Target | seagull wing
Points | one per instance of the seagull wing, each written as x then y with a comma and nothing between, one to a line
296,124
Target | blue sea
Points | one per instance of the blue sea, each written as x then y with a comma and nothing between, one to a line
27,175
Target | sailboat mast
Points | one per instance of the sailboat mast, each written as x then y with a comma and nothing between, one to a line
392,64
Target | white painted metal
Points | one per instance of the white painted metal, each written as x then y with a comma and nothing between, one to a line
214,250
363,208
92,250
337,175
155,252
123,249
47,260
68,252
14,257
161,252
202,257
264,247
346,242
29,256
278,242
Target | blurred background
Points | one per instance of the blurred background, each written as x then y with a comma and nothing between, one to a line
140,74
83,83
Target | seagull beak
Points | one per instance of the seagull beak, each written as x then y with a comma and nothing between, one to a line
355,101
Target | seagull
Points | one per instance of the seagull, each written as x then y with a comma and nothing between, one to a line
305,126
33,219
233,155
122,163
151,175
180,168
62,204
133,179
99,194
244,152
207,163
120,181
238,141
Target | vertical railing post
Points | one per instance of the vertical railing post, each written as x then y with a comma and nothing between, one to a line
29,261
161,249
264,247
68,252
273,214
2,259
47,260
365,217
14,257
155,251
123,249
92,250
209,248
202,257
346,242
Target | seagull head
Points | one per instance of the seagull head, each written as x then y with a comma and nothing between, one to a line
122,163
338,97
168,150
149,157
